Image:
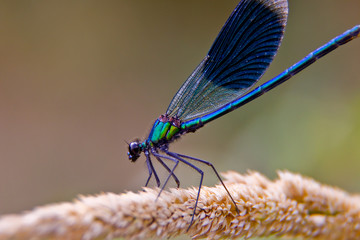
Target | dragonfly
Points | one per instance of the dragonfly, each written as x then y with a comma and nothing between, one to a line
222,82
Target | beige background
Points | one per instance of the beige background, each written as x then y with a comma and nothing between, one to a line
78,79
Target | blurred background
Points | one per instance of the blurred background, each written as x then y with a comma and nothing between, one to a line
78,79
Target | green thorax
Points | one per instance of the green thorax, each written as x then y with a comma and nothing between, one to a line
164,130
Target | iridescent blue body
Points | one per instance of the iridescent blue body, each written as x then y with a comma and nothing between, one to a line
222,82
164,130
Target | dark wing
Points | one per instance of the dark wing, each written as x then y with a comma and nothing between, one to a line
241,53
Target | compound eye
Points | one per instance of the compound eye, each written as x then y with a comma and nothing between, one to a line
134,148
134,151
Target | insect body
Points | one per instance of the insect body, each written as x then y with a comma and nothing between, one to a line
222,82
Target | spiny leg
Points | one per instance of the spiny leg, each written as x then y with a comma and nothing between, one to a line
151,170
177,156
217,174
150,173
168,169
171,173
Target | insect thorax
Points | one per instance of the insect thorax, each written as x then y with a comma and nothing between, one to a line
165,130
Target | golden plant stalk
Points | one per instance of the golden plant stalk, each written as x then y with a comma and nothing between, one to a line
291,205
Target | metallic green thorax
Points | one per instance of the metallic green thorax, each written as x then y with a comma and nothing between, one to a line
164,130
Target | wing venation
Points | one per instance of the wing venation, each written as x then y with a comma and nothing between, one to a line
241,53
